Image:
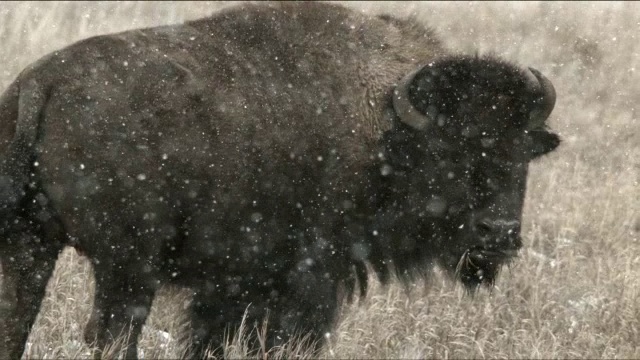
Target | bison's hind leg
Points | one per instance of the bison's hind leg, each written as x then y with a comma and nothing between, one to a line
28,257
123,297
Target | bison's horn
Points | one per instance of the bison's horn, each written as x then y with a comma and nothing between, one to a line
407,113
545,98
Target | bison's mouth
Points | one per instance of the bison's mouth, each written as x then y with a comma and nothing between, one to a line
480,265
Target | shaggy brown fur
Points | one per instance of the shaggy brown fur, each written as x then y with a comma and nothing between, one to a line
257,157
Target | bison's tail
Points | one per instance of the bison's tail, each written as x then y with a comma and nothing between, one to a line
20,109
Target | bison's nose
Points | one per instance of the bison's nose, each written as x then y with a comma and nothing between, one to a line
499,233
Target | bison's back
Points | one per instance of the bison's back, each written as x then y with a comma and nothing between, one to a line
266,112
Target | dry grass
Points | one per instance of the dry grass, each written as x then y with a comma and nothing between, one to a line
575,291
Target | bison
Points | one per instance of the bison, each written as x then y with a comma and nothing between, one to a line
268,155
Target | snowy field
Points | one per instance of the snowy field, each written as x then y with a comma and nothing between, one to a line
574,292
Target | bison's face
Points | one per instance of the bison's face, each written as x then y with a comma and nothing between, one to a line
467,132
484,193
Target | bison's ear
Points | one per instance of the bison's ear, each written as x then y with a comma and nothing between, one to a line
542,142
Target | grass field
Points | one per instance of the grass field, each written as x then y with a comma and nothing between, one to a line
574,292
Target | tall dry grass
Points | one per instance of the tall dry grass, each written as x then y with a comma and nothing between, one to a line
574,292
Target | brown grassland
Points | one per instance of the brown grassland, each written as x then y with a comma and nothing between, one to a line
575,290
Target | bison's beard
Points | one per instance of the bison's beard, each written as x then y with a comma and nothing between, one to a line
480,266
409,253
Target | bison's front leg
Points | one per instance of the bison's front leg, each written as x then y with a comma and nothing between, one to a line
299,302
305,305
309,309
121,305
27,264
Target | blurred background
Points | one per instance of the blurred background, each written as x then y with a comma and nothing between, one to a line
574,292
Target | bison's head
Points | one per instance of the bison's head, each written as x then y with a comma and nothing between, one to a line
455,164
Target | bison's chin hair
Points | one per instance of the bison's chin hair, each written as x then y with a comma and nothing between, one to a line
473,267
480,266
